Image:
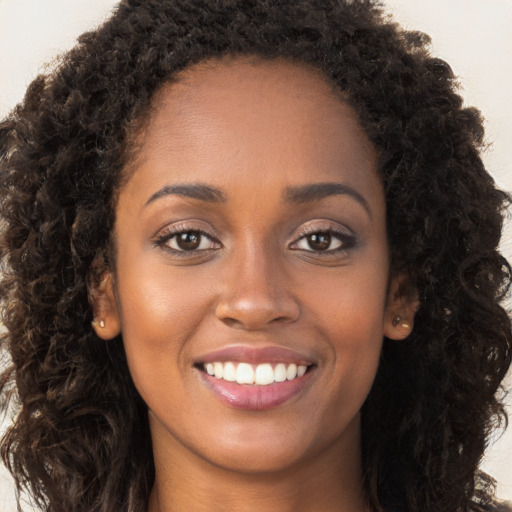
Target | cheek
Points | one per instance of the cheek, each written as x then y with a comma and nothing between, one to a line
155,298
348,310
348,300
159,313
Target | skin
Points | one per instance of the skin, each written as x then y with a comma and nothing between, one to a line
252,130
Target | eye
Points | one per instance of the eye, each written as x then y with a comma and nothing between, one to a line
319,242
187,240
329,241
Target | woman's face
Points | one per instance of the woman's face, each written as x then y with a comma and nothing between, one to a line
251,243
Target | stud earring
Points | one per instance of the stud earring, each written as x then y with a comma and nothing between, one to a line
101,323
397,320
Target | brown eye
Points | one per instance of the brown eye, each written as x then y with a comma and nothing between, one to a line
319,241
187,241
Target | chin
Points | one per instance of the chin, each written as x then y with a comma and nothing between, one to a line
257,462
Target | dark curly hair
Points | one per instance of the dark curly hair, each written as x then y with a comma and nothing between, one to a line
63,151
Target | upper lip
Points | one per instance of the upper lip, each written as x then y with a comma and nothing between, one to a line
252,355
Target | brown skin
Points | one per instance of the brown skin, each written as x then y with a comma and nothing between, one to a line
253,129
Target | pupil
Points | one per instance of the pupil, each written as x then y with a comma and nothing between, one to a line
189,241
319,242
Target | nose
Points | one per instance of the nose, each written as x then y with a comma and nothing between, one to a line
256,293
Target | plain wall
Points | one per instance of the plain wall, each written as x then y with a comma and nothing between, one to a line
474,36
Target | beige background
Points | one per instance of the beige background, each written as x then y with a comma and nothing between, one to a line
474,36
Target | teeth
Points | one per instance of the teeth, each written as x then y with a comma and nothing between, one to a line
218,368
229,372
264,375
244,374
280,372
291,372
260,375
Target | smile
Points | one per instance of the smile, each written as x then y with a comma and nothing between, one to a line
250,378
258,375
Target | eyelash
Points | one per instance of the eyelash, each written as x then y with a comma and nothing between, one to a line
163,238
347,240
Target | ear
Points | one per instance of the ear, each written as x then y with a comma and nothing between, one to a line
106,323
401,307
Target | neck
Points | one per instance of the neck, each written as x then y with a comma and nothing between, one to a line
185,482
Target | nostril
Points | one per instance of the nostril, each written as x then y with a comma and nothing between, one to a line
256,314
230,322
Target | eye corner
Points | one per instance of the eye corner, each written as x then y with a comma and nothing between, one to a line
329,238
186,240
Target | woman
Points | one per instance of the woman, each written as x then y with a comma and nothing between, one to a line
251,264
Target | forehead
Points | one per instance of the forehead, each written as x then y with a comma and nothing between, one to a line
234,89
236,117
253,74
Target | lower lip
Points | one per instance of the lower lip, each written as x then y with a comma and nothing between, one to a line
256,398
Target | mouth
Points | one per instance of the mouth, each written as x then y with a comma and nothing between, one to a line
263,374
255,379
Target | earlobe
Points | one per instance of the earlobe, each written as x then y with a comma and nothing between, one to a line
106,322
400,310
399,321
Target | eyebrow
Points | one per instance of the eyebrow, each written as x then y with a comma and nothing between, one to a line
193,190
317,191
300,195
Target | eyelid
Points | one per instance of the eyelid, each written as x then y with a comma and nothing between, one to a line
343,233
323,226
169,232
